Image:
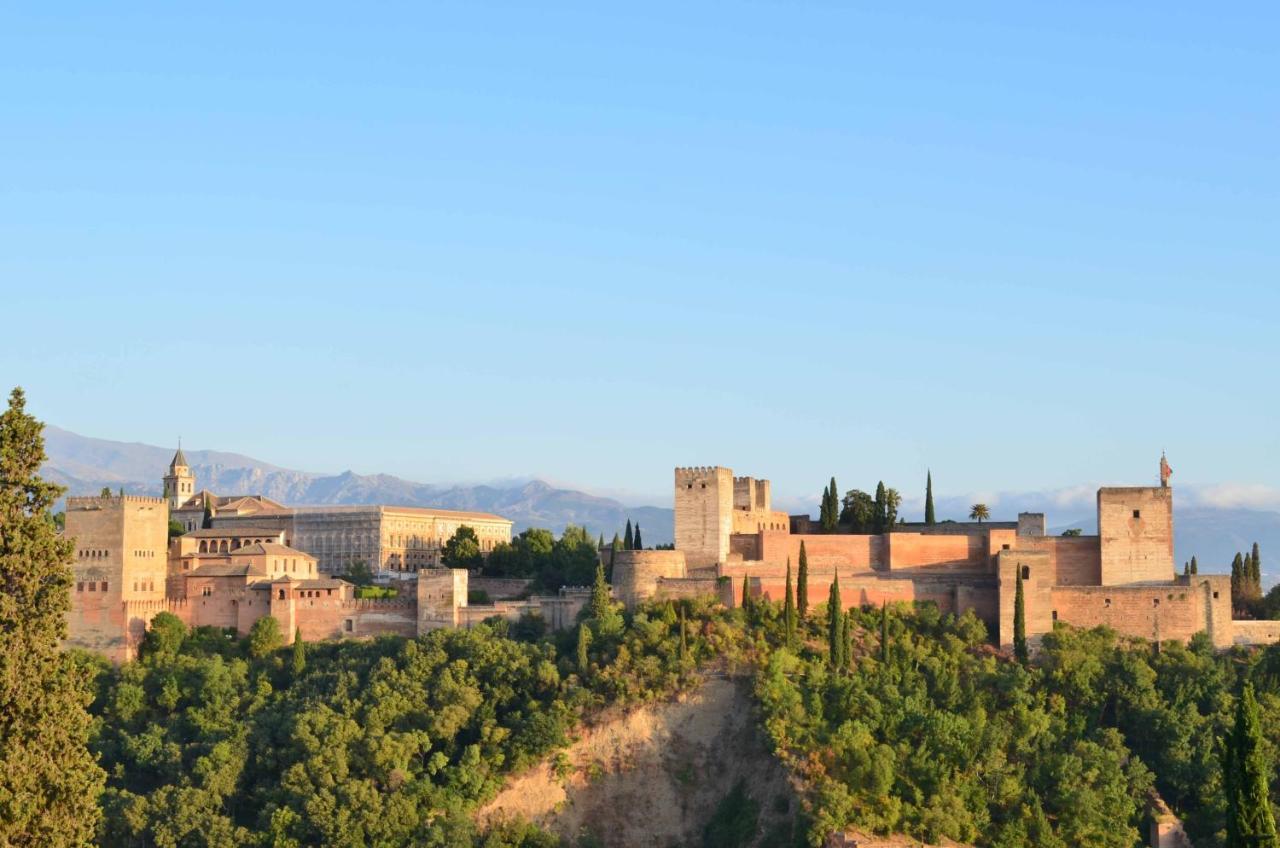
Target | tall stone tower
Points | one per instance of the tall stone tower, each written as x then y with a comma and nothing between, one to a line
704,514
179,483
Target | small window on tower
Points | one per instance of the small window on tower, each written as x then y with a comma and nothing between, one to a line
1055,615
1026,573
1137,513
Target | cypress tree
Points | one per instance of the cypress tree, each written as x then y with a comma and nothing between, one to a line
929,517
802,584
882,509
835,624
1019,622
639,545
789,610
1257,567
1250,823
1237,577
627,539
848,643
584,639
746,591
49,782
835,506
684,639
600,544
1193,565
299,654
884,633
1186,569
601,603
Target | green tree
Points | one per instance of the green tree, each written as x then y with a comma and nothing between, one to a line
1237,577
1073,531
789,610
299,664
858,511
1186,569
627,539
164,636
829,512
617,543
1194,567
880,519
802,584
884,633
1246,778
684,637
892,500
175,528
835,624
49,782
584,642
637,543
105,493
601,604
265,637
1020,621
463,549
746,591
979,512
929,517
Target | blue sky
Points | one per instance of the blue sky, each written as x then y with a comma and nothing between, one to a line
1028,247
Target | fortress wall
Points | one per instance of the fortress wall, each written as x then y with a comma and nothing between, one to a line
1151,612
703,513
1075,560
636,573
1255,632
745,545
857,553
503,588
953,553
758,520
694,587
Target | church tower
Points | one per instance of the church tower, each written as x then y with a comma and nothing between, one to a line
179,483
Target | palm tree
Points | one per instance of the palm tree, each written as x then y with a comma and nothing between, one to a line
978,512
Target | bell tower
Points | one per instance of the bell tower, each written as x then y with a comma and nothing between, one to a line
179,483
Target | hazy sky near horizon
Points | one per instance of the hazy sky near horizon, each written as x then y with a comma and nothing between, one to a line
1025,246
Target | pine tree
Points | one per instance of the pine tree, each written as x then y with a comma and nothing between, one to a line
636,543
789,610
929,517
1250,823
1193,565
1019,622
882,514
584,640
49,782
884,633
627,539
802,584
299,654
835,624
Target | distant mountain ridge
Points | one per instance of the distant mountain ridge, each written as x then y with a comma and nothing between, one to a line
85,465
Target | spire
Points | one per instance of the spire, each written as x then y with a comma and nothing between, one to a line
179,458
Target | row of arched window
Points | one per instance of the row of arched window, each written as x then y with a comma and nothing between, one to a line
93,586
94,553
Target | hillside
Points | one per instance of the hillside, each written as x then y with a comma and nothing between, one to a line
84,465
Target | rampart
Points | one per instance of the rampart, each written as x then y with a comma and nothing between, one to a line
636,573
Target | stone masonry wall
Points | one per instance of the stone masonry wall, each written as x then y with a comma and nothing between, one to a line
1136,530
703,514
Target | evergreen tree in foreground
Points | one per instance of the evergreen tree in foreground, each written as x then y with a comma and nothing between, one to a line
1020,622
802,584
835,625
929,517
299,654
1250,823
584,641
601,604
880,518
746,592
627,539
1193,565
49,782
789,610
636,543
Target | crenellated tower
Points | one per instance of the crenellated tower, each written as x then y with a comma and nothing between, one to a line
704,514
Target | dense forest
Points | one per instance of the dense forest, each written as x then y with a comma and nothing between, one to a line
908,721
211,740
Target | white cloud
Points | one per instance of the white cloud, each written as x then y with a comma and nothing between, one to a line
1237,496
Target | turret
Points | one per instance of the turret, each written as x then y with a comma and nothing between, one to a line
179,483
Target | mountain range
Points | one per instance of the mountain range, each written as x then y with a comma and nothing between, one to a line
85,465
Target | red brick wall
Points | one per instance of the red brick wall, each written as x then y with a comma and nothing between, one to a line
954,553
824,551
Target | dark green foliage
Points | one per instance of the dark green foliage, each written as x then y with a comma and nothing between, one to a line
463,549
388,742
735,822
835,625
628,541
639,545
105,493
299,664
1194,566
746,591
858,511
789,610
359,573
829,510
1186,569
884,633
264,637
164,637
802,584
584,642
879,521
49,782
550,563
929,516
1073,531
175,528
1020,652
1246,779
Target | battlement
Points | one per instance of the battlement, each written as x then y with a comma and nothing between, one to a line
699,472
98,502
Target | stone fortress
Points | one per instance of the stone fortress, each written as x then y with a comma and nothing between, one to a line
1124,577
257,557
